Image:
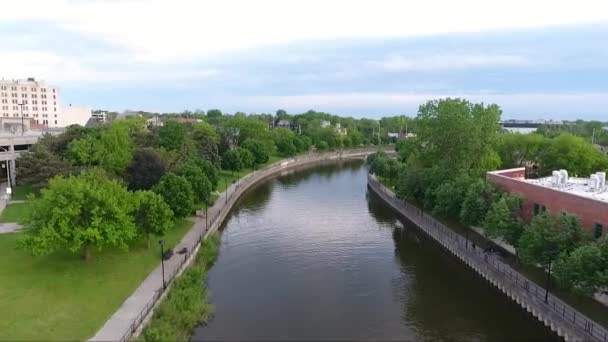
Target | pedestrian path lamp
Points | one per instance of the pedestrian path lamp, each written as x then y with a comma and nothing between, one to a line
206,222
226,187
162,261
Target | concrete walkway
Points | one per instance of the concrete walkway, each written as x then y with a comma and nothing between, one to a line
10,227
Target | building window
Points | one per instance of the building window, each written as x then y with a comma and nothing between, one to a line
26,115
55,115
536,209
34,96
4,95
23,95
55,122
23,88
16,115
3,88
53,92
43,102
543,209
42,90
598,230
55,109
14,88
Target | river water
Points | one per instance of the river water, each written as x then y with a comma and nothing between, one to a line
311,255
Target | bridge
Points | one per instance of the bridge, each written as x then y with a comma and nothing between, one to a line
13,144
560,317
528,123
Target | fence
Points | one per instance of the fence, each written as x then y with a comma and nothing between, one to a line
488,264
221,208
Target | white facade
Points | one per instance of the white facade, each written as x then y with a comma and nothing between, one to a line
38,101
72,115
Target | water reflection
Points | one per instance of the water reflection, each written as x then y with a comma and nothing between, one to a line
311,256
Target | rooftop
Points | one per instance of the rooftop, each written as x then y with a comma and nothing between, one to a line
584,187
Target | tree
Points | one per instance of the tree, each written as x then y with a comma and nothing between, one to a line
258,149
574,154
545,239
207,140
110,148
201,186
79,213
457,132
476,203
448,196
284,141
172,135
232,160
210,171
585,269
247,158
501,222
214,113
177,193
152,215
145,169
516,149
39,165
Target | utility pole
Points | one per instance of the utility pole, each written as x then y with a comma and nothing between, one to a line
21,107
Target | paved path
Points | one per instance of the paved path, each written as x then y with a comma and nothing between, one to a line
9,227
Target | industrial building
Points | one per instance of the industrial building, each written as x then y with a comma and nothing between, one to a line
586,198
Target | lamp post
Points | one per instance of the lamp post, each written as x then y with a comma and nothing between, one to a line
206,222
226,187
21,107
162,261
8,178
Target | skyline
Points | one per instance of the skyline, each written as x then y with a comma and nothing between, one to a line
546,60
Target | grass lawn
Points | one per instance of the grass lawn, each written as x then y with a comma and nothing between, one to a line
15,212
63,297
20,192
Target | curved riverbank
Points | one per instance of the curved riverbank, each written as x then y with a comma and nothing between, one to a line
136,311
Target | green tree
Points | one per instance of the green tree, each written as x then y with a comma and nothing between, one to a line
232,160
177,193
585,269
284,141
145,169
515,150
259,150
39,165
476,203
247,158
201,186
172,135
110,148
448,196
546,238
459,133
501,221
207,141
574,154
79,213
152,215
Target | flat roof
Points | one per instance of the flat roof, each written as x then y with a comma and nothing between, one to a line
575,186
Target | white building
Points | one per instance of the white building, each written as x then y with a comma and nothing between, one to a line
38,101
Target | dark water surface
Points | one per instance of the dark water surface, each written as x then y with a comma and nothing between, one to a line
311,256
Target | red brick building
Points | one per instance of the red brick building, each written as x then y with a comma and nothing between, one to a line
585,197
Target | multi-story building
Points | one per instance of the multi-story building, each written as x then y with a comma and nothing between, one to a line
586,198
38,101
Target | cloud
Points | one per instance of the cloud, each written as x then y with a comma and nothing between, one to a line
448,61
160,31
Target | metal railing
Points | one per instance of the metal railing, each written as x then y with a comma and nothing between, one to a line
233,192
489,263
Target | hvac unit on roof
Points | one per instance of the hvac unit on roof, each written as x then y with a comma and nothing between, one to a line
601,180
564,174
594,182
556,178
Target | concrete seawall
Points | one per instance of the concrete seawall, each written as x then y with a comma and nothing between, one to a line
129,320
564,320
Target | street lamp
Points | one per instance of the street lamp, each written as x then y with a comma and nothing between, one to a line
21,107
206,222
226,187
162,261
8,178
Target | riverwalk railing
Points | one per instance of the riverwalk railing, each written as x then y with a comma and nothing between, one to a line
221,208
559,316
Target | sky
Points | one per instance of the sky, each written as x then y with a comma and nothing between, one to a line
536,59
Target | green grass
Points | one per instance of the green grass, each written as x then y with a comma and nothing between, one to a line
15,212
20,192
63,297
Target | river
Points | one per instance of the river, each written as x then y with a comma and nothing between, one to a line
310,255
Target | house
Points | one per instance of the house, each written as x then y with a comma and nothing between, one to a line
154,121
325,124
283,124
586,198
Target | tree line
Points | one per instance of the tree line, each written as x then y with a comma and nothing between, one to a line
443,170
124,181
